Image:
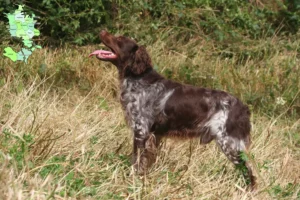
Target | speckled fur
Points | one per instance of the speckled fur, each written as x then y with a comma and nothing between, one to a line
155,107
142,103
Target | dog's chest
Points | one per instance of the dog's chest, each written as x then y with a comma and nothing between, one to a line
140,100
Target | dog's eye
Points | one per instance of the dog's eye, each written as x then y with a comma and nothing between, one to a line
119,39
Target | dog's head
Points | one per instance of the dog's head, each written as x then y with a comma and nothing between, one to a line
124,53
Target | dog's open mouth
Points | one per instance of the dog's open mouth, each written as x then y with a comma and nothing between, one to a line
105,55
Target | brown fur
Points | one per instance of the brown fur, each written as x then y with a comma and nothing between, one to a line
187,112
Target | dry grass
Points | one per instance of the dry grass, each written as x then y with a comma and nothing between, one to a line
67,139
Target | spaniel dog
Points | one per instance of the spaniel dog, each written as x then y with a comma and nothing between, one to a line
156,107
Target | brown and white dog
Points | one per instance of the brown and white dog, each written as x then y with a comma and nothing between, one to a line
156,107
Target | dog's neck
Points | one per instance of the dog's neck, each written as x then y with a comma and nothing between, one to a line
126,73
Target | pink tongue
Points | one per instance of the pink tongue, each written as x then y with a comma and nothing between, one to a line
98,52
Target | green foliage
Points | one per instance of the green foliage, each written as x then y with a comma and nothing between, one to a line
264,165
63,20
244,156
103,103
287,191
65,171
221,20
225,21
17,147
54,165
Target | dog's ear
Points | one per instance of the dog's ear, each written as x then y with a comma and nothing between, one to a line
142,61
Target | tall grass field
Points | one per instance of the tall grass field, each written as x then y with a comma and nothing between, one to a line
63,134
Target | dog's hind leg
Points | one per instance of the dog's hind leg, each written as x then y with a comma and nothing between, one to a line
234,148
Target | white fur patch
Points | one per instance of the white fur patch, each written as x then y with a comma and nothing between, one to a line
164,99
216,124
142,103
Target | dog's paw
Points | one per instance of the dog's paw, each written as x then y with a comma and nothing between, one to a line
253,184
139,169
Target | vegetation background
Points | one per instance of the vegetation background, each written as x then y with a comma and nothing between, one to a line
60,116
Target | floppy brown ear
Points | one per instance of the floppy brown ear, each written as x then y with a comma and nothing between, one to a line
142,61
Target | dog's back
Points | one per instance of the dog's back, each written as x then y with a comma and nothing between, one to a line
157,107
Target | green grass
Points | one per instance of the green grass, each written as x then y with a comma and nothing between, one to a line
63,134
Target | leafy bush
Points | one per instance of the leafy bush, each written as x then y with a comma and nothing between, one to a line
63,20
222,20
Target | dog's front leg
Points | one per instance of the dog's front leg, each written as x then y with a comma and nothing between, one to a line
140,160
144,150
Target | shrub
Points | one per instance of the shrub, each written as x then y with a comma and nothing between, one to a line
225,21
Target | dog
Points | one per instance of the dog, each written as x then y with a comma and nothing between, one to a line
155,107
